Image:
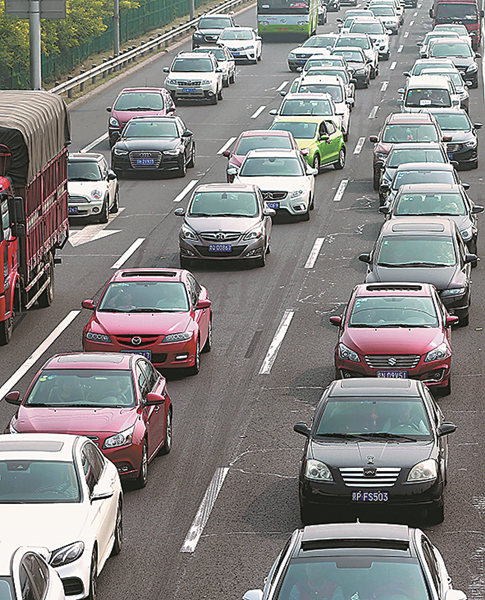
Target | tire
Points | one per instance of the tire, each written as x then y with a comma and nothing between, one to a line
375,180
103,215
225,83
385,56
191,163
312,203
142,479
6,330
436,512
213,100
316,162
219,94
293,69
372,73
260,57
47,296
366,83
118,542
167,445
465,319
93,577
261,261
196,368
346,135
446,390
116,204
340,164
305,216
182,171
232,78
208,343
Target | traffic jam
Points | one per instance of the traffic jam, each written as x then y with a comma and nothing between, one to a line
267,383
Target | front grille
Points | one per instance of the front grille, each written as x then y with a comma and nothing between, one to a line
159,358
301,55
236,251
126,340
73,586
153,155
216,236
383,476
274,195
210,38
182,83
454,147
390,361
77,200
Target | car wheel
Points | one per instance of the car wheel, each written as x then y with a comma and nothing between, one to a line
474,165
446,390
118,534
376,180
293,69
260,56
142,478
232,78
213,100
305,216
208,343
93,577
182,170
367,82
225,82
385,56
196,368
116,203
316,162
103,215
340,164
191,162
6,330
261,261
372,73
219,95
436,512
312,202
47,296
167,445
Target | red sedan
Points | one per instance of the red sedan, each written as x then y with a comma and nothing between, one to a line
163,314
119,401
397,330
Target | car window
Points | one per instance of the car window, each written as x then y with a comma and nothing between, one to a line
431,563
416,251
138,101
429,204
330,127
300,129
397,311
404,177
270,166
254,142
142,380
26,584
95,465
38,573
399,156
150,378
195,287
83,170
410,133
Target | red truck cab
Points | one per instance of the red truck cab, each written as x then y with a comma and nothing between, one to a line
464,12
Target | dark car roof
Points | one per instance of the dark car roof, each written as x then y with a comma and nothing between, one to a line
418,225
425,188
153,90
393,289
148,274
374,386
154,118
405,118
90,360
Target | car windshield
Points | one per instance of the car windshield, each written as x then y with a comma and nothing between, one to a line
422,176
416,251
224,204
399,416
214,23
319,42
236,34
329,72
300,130
192,65
38,482
400,156
410,133
350,55
82,170
303,107
336,61
456,11
144,296
256,142
455,49
356,576
428,97
322,88
358,42
430,204
369,28
454,121
419,67
139,101
393,311
6,588
269,166
150,129
71,388
217,52
459,29
383,11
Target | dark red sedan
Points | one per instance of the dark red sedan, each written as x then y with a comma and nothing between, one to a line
119,401
396,330
162,314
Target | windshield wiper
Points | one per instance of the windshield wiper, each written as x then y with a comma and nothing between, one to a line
147,309
424,264
83,179
390,436
113,310
344,436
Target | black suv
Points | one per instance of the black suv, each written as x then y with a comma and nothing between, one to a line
209,28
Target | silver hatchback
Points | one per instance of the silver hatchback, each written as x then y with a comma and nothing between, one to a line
225,222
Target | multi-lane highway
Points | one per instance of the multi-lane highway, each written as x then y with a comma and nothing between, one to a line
218,509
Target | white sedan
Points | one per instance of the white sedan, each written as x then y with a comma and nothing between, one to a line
286,181
243,42
60,494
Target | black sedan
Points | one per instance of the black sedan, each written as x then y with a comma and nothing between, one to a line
461,54
374,442
154,144
463,147
357,64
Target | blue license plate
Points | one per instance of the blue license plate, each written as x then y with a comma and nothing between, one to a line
72,210
393,374
273,205
146,353
145,161
189,90
360,496
450,155
220,248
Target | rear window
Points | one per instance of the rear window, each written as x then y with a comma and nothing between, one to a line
399,156
410,133
256,142
436,97
138,101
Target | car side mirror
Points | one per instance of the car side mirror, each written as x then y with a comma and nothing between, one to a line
311,171
468,84
171,109
478,55
400,91
302,428
455,595
466,186
108,109
269,212
253,595
470,258
407,74
324,136
452,320
338,20
154,399
477,125
446,429
218,70
384,210
431,13
232,171
447,138
384,187
179,212
166,70
389,31
304,151
259,38
299,69
273,111
350,101
116,135
477,209
365,258
111,175
13,398
379,163
203,304
337,321
88,304
353,80
226,153
373,139
187,133
282,93
101,492
455,163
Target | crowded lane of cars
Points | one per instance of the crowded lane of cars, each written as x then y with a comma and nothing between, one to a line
252,197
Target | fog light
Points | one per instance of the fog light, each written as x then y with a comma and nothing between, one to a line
95,209
184,356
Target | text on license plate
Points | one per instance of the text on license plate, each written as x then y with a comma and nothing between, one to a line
189,90
450,155
393,374
72,210
146,353
274,205
145,161
360,496
220,248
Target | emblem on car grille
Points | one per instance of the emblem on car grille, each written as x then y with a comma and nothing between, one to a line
267,195
370,472
392,361
370,460
220,236
144,154
136,341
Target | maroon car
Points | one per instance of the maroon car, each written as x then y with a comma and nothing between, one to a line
395,330
119,401
137,102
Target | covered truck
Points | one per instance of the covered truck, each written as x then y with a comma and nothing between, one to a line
34,134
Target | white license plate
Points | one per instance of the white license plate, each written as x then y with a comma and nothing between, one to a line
146,353
360,496
393,374
220,248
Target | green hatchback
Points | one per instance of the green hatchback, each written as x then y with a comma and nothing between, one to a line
319,138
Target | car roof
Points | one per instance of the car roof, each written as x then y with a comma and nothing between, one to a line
40,446
393,289
153,118
428,81
148,274
143,89
353,35
342,48
215,15
188,54
273,152
264,132
226,187
85,156
374,386
432,59
418,166
306,96
417,226
237,28
411,118
416,146
303,119
428,188
90,360
330,79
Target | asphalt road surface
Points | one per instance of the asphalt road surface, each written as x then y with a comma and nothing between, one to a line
235,453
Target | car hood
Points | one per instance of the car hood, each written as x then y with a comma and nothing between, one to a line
275,183
210,31
205,224
384,453
440,277
84,188
392,340
190,75
236,160
156,323
241,44
309,51
147,144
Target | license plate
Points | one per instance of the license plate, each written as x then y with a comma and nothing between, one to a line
146,353
370,496
220,248
393,374
274,205
72,210
189,90
450,155
145,161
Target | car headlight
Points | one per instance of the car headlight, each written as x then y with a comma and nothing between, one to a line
472,69
317,470
177,337
453,292
198,34
427,470
205,82
120,439
96,194
174,152
98,337
114,122
169,81
381,155
346,353
11,429
438,353
470,144
291,55
467,234
66,554
296,193
188,233
120,152
254,234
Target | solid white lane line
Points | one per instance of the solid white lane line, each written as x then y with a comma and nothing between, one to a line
340,190
400,48
126,255
384,86
38,352
359,145
282,86
312,259
256,114
186,190
95,142
275,345
415,14
393,66
200,520
373,112
90,233
406,34
229,142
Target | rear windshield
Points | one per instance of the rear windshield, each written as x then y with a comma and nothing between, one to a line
399,156
428,97
139,101
300,130
410,133
255,142
430,204
422,176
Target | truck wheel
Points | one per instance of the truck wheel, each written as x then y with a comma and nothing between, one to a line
47,296
6,330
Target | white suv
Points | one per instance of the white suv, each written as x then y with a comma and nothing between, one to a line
194,76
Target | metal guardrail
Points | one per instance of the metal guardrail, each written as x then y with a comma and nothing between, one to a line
132,54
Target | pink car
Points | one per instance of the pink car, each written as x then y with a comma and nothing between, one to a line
137,102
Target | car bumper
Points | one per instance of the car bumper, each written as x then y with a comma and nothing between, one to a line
90,208
473,77
75,576
464,156
212,251
166,164
294,63
244,54
198,93
456,304
127,459
292,206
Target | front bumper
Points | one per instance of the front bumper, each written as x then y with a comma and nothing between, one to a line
202,92
294,63
244,54
79,207
75,576
464,156
472,77
456,305
239,250
165,163
292,206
